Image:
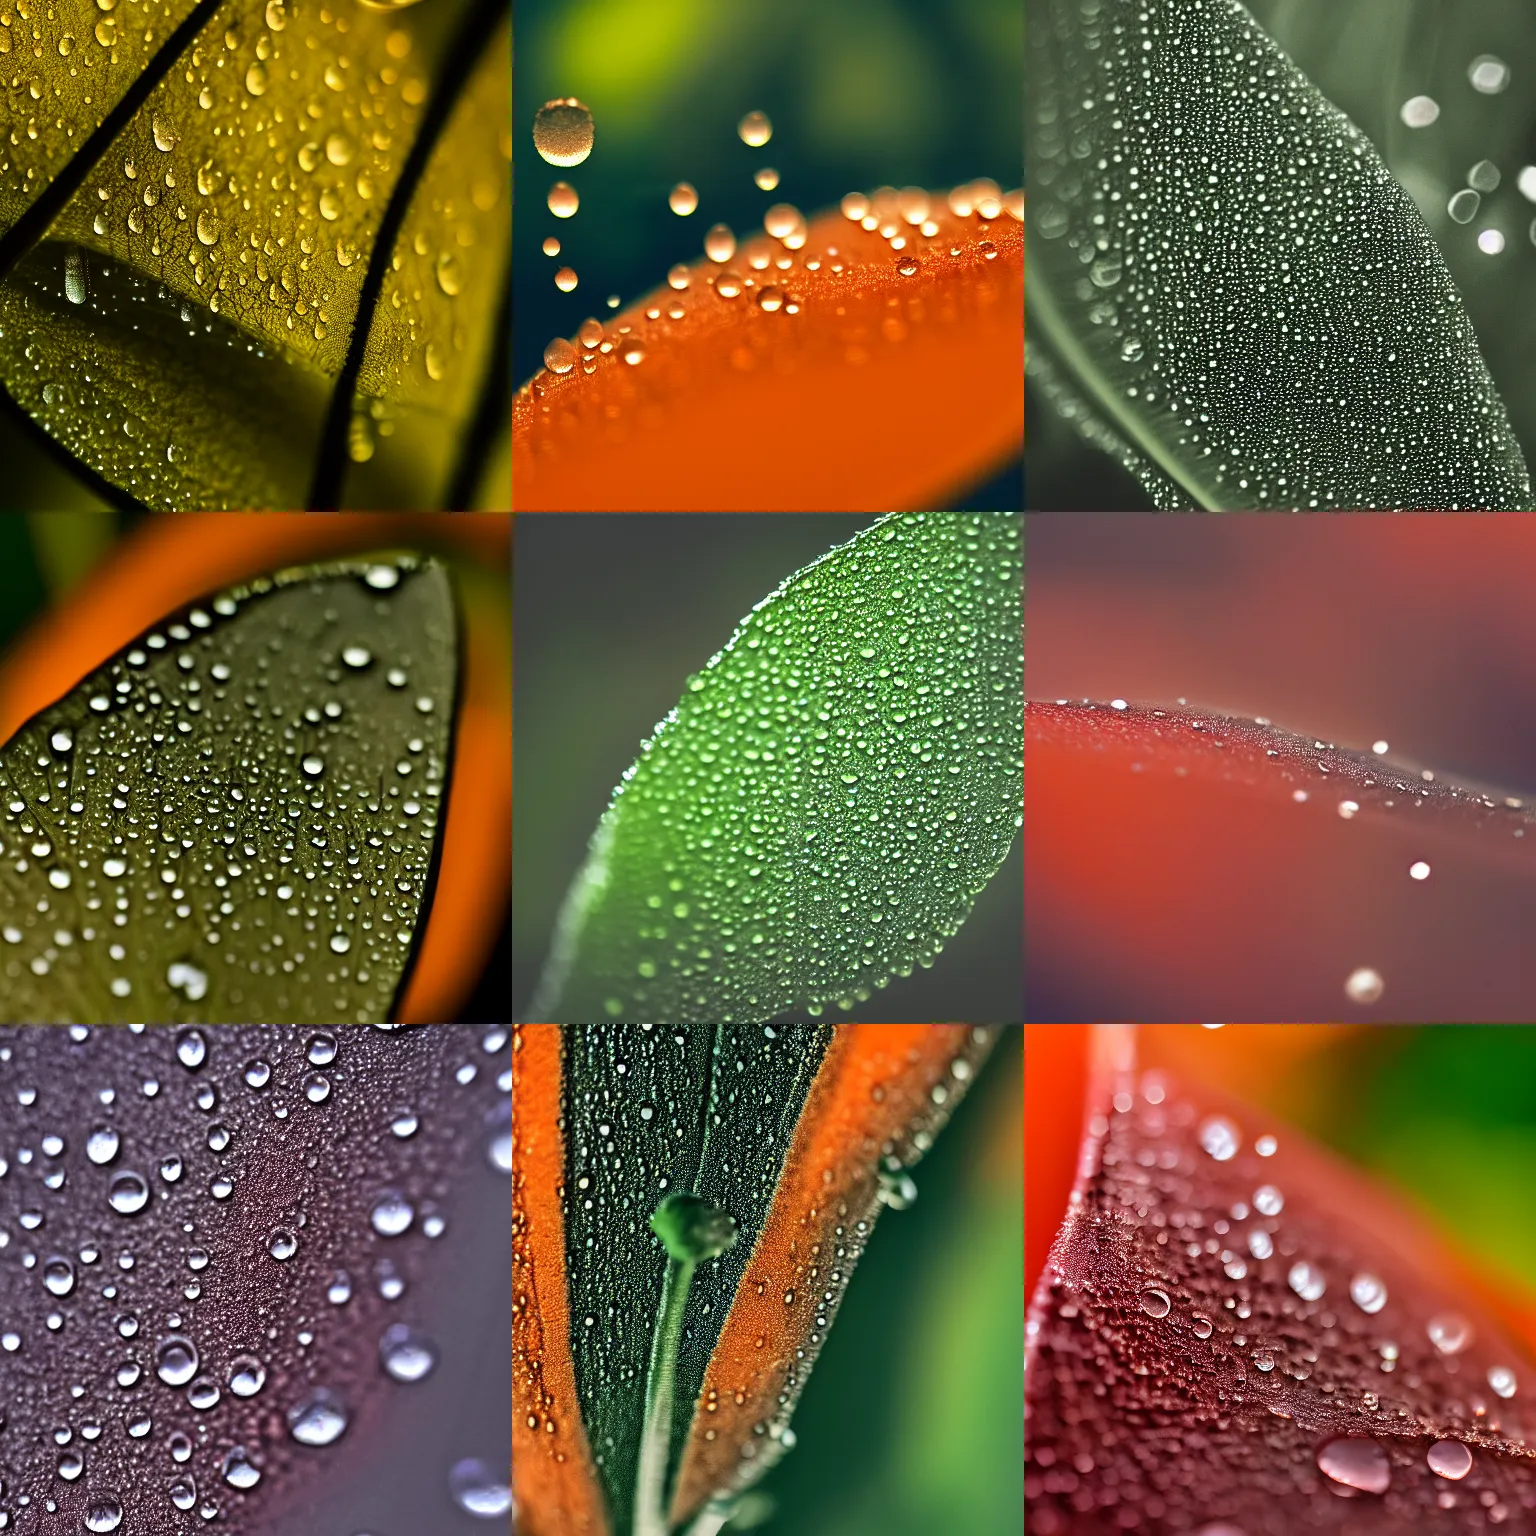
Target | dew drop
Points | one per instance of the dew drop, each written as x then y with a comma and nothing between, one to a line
59,1276
392,1214
1356,1462
767,179
103,1514
1463,205
565,279
1201,1325
782,219
318,1418
1306,1280
478,1491
682,199
560,356
719,243
1488,74
728,284
405,1354
907,265
679,277
164,131
770,298
256,78
1449,1332
101,1145
563,201
1219,1137
1449,1458
128,1194
755,129
1364,985
282,1244
551,246
1502,1380
247,1375
1268,1200
313,766
1368,1292
238,1470
1420,111
207,228
176,1360
562,131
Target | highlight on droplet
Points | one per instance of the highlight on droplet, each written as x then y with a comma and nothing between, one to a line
563,201
682,199
562,131
755,129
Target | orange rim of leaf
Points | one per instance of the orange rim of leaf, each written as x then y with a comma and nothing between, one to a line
848,374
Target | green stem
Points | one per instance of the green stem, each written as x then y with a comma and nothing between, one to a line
656,1435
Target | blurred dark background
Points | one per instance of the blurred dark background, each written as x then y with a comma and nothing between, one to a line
43,555
1370,57
860,93
611,614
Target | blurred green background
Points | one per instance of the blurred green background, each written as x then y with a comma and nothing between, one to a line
45,555
1369,57
860,93
611,614
912,1422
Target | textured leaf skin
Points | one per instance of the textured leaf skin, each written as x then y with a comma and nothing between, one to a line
194,753
309,1165
1136,1421
818,813
785,1128
1227,285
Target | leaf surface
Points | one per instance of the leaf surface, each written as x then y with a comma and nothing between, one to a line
786,1129
273,261
1236,1336
236,816
1239,871
822,807
896,384
1227,286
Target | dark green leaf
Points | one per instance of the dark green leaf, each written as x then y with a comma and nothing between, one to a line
820,810
236,817
1228,288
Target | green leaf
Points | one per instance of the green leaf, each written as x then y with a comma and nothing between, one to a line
237,816
256,259
1228,288
819,812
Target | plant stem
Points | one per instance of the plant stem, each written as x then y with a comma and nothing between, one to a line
656,1434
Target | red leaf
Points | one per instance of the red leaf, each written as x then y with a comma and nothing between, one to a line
1238,871
1234,1336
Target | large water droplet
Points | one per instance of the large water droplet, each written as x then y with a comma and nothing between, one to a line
1449,1458
392,1214
59,1276
103,1514
562,131
1219,1137
128,1193
247,1375
1357,1462
191,1049
176,1360
560,356
238,1470
318,1418
755,129
563,201
101,1145
1368,1292
1307,1280
477,1490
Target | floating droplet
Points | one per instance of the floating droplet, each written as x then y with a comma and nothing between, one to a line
1449,1458
1488,74
682,199
559,356
679,277
755,129
1266,1146
1364,985
1218,1136
719,243
1356,1462
782,219
565,279
563,201
767,179
1420,111
551,246
1368,1292
562,131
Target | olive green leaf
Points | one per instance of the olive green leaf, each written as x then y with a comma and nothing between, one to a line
819,812
1229,290
236,817
255,255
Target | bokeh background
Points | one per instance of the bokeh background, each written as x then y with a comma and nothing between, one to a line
1369,57
1412,628
44,557
861,93
611,614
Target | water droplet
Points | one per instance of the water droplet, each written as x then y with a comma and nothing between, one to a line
1449,1332
1219,1137
59,1276
103,1514
563,201
256,78
1364,985
1155,1303
719,243
282,1244
318,1418
782,219
164,131
1201,1325
1419,870
1488,74
1263,1361
1449,1458
62,740
1268,1200
1266,1146
1490,241
184,977
176,1360
907,265
1368,1292
1357,1462
312,766
1463,206
551,246
1260,1244
238,1470
247,1375
76,288
478,1491
128,1194
767,179
566,279
101,1145
1502,1380
392,1214
755,129
770,298
1306,1280
728,284
70,1465
633,353
1420,111
207,228
562,131
559,356
682,199
678,277
405,1354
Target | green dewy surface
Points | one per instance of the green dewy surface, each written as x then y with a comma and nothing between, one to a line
1229,290
236,817
652,1111
819,812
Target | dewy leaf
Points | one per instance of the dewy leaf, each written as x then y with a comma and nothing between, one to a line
795,1136
1236,1333
237,815
1240,871
248,1276
204,296
844,372
820,810
1227,283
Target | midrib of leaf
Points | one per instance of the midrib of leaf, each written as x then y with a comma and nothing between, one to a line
1085,373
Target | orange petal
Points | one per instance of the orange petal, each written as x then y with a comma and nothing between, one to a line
1055,1095
552,1471
172,560
884,391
